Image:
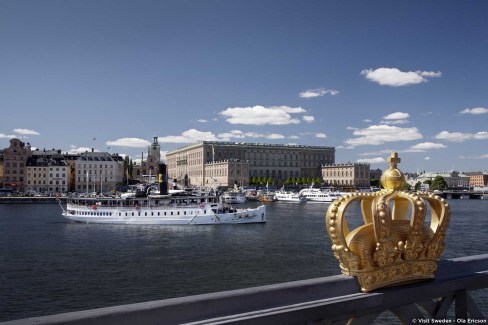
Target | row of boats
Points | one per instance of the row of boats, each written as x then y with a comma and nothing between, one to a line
236,196
183,207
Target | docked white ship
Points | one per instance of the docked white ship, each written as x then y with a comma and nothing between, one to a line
234,196
161,209
318,195
289,196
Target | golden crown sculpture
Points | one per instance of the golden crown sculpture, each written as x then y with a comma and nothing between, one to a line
390,248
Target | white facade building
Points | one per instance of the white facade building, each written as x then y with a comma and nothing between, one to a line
98,172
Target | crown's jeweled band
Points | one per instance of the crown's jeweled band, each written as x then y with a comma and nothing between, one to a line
391,247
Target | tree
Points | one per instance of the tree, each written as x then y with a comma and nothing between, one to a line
406,186
439,183
289,181
417,185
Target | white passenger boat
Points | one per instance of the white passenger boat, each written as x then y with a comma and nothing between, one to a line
318,195
160,210
289,196
234,196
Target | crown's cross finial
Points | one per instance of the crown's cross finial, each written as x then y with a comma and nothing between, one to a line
394,160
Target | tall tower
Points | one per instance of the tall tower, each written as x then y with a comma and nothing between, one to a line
153,157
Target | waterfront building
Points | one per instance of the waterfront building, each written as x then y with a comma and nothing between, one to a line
453,179
14,164
188,164
477,179
226,173
375,173
98,172
47,173
348,175
1,168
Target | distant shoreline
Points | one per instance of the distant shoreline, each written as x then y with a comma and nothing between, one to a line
29,200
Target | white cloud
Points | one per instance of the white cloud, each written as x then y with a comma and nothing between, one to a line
260,115
321,135
396,122
453,136
367,120
201,120
226,136
274,136
311,93
427,158
26,132
129,142
396,78
189,136
6,136
421,147
380,134
481,135
293,137
308,118
377,160
76,150
475,111
396,116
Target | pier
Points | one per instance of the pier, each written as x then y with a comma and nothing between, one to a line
328,300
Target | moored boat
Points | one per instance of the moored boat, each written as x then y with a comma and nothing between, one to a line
289,196
160,209
318,195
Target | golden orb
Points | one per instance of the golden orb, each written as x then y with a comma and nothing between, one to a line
393,177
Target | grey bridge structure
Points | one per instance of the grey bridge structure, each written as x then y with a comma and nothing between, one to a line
453,297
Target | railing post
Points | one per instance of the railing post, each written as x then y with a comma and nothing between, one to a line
461,303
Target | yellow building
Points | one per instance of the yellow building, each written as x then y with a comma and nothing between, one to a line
346,175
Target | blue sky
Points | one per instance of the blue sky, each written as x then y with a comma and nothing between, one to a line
366,77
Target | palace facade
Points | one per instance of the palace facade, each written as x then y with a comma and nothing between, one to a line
189,165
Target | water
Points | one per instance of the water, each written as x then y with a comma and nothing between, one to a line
48,265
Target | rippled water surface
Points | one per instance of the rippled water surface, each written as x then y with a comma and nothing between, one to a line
49,265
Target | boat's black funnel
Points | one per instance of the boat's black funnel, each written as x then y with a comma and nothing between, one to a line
163,180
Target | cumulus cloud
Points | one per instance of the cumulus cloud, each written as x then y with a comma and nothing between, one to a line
260,115
367,120
26,132
380,134
308,118
424,146
311,93
189,136
321,135
129,142
293,137
74,150
201,120
377,160
6,136
461,137
427,158
396,78
475,111
395,118
481,135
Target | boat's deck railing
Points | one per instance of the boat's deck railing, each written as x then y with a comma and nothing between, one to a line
328,300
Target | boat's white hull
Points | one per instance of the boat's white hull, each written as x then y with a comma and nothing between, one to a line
165,216
234,199
290,198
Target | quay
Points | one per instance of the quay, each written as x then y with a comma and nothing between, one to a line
29,200
463,195
328,300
